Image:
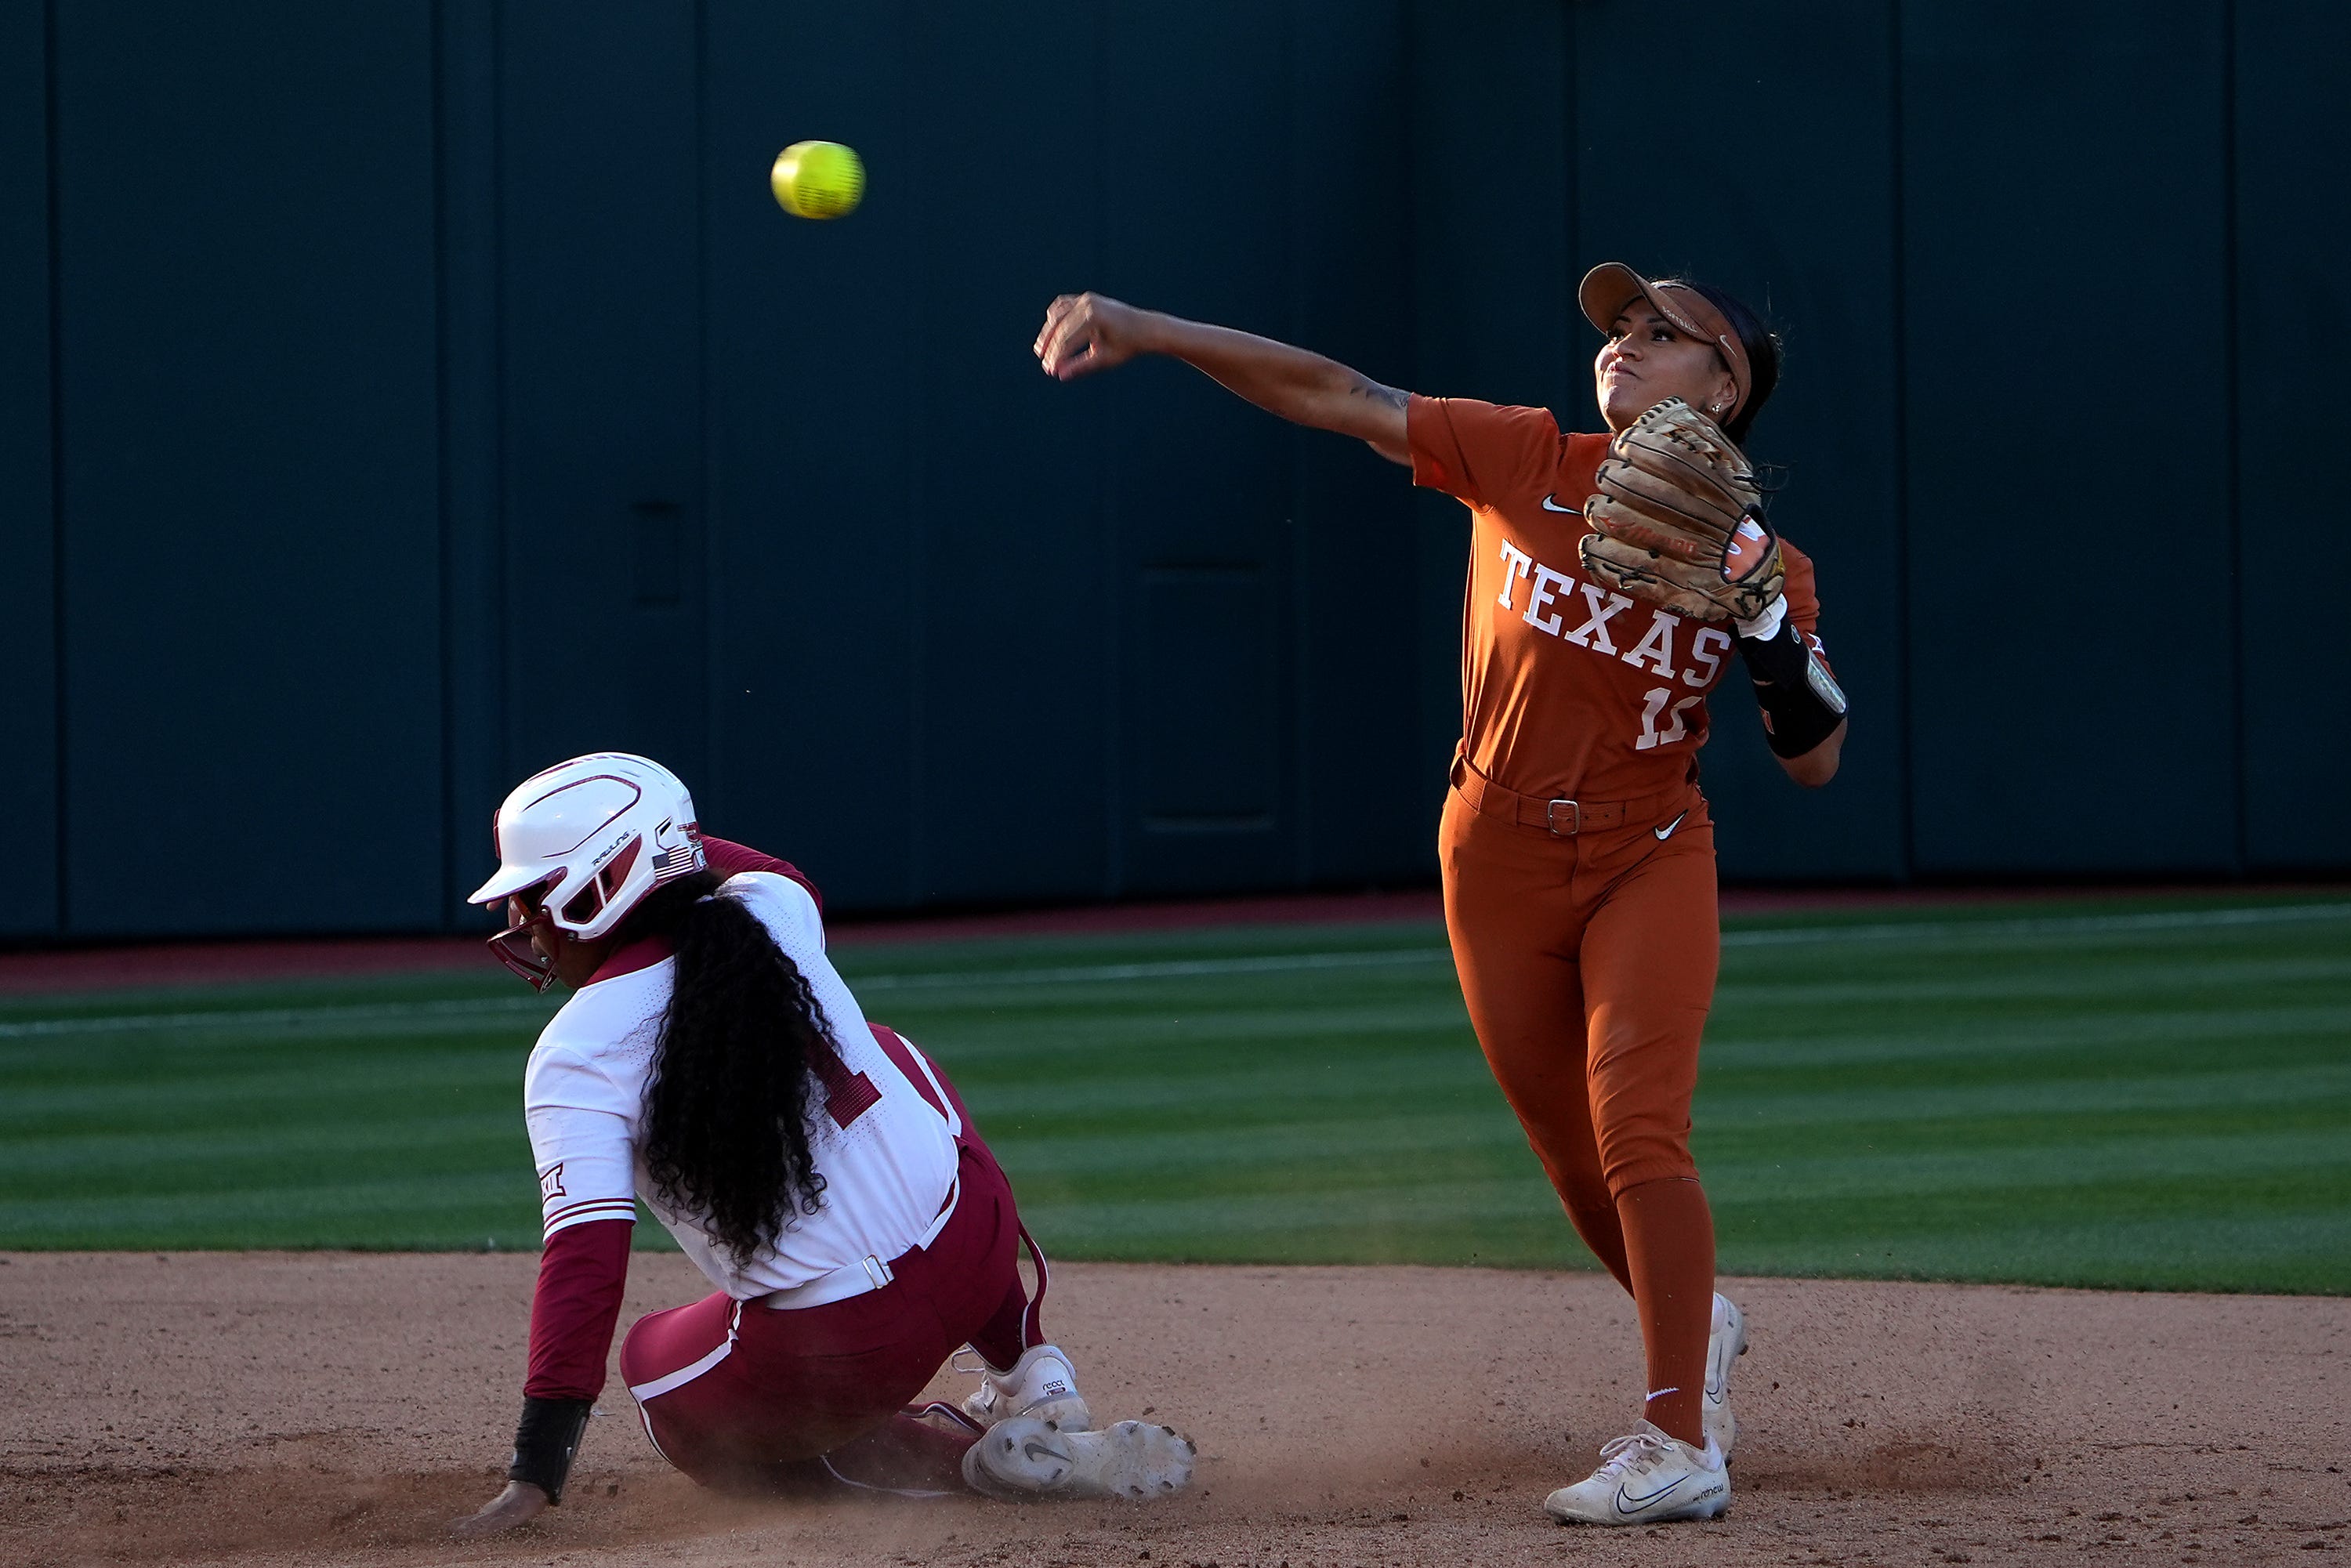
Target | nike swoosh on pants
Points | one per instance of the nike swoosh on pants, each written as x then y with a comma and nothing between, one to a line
1667,830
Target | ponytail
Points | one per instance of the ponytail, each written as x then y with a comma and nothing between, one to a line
727,1106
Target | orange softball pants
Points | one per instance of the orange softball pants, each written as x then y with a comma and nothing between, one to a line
1588,964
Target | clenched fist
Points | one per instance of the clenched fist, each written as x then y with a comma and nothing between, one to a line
1088,333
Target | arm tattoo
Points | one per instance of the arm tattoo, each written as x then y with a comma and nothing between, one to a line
1367,387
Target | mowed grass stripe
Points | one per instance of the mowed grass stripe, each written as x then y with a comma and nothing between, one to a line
428,1016
1964,1096
2294,1250
443,1211
1858,1042
2163,976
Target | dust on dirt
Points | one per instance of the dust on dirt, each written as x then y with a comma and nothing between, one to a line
275,1408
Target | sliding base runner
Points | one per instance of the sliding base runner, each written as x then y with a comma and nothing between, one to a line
819,1169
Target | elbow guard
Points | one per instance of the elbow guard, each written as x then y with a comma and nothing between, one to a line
1801,702
545,1439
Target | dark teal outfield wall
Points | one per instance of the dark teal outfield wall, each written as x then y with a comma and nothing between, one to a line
394,400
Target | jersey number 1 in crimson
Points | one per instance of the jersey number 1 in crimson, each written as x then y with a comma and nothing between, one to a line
847,1095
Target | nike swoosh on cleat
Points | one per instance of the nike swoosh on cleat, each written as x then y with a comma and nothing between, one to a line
1551,506
1667,830
1036,1450
1635,1504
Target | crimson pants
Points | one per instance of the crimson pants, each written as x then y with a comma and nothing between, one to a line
802,1400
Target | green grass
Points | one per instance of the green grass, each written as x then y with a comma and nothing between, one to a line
2155,1093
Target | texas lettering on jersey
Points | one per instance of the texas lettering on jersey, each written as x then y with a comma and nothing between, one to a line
1561,604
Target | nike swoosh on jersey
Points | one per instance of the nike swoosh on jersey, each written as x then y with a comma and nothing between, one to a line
1551,506
1667,830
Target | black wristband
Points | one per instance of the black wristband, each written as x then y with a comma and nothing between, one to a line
545,1439
1801,702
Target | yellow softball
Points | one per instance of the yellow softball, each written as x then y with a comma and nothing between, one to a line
818,179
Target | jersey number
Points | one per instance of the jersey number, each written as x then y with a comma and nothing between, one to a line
847,1095
1651,736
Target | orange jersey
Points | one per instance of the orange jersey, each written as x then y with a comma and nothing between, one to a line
1569,689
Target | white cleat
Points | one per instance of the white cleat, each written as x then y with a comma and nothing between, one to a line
1645,1478
1724,1345
1042,1384
1021,1460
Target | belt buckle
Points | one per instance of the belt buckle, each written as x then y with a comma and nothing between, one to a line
1574,819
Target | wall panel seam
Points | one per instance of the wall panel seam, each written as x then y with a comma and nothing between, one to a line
60,908
500,641
706,447
1900,298
1290,604
1112,675
444,487
2231,371
1571,116
918,351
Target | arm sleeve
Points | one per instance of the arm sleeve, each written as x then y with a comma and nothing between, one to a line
587,1186
1479,453
581,1278
730,859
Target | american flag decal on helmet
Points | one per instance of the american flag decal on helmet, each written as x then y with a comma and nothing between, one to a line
680,857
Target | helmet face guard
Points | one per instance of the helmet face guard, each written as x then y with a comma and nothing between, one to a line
525,910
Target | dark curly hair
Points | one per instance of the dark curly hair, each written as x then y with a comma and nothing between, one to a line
1763,352
733,1094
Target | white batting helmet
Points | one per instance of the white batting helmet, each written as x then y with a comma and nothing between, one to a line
580,844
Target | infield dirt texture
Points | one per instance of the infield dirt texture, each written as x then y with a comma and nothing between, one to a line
2151,1093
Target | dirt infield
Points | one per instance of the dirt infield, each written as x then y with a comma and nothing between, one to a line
336,1409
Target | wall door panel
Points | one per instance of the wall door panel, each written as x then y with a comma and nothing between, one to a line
251,564
2065,244
814,374
1369,779
1014,595
1197,479
2294,336
601,332
478,771
28,725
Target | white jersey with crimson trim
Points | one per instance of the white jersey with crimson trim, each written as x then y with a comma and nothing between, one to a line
887,1155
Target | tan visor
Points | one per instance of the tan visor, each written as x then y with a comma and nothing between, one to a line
1607,289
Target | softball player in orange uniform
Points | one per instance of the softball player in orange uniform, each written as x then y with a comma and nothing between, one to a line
1577,851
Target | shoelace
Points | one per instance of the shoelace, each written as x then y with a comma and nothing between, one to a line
1630,1454
990,1392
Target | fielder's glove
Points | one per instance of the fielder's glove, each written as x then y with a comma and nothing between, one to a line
1679,521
